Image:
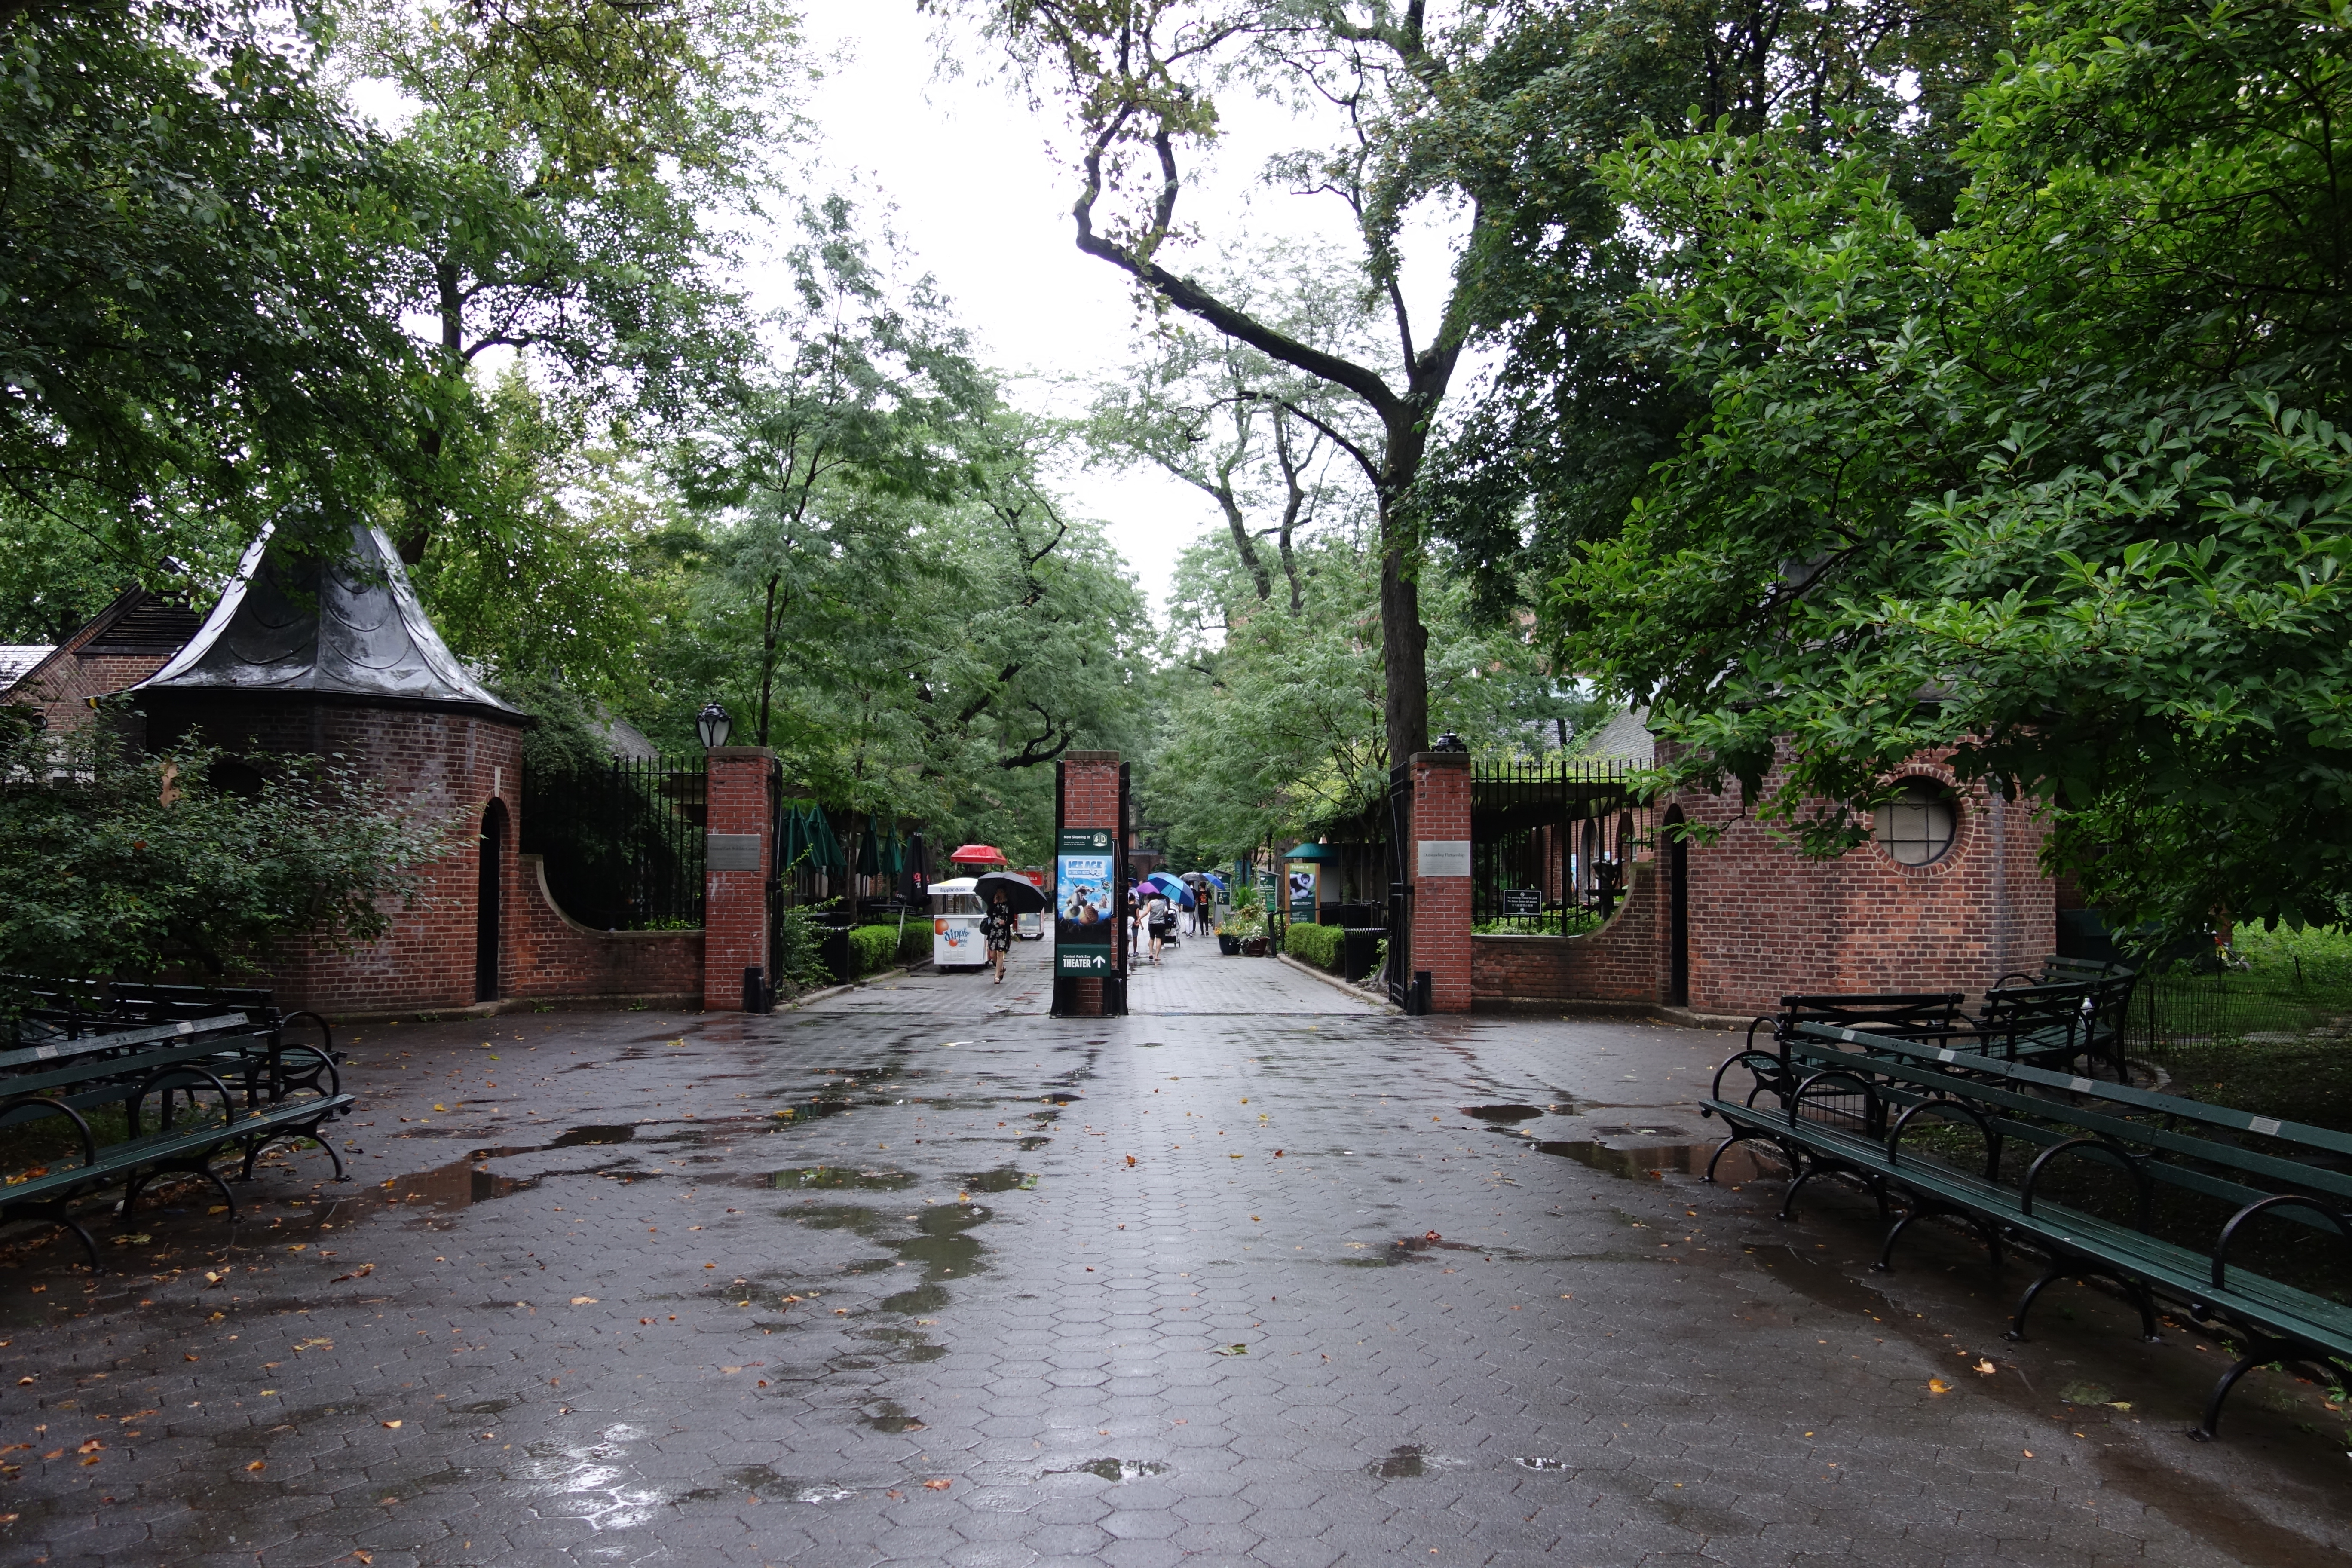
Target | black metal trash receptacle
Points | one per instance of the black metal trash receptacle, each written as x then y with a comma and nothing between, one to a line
1360,948
833,951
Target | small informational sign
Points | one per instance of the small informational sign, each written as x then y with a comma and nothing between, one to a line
1444,858
1523,900
732,851
1085,902
1302,890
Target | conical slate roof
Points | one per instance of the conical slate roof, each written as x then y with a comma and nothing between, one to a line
290,623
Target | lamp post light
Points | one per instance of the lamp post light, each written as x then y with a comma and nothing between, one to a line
712,724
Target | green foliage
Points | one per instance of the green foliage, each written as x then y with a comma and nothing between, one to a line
2073,470
873,947
203,329
800,936
120,864
1320,945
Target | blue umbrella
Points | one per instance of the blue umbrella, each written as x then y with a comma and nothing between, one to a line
1173,887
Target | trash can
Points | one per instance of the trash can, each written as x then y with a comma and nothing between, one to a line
1360,948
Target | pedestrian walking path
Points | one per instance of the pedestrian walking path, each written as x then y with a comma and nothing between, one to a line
864,1287
1192,980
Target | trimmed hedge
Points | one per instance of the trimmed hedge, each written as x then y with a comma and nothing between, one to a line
1318,945
917,942
874,947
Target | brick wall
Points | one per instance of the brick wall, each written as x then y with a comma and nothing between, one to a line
1623,962
1440,905
735,903
1089,799
551,955
62,688
445,764
1765,922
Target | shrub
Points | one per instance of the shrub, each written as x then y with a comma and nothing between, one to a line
915,942
873,947
1315,944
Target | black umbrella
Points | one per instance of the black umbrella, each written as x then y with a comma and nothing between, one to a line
1022,896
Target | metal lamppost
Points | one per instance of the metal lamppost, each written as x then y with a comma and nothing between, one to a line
712,724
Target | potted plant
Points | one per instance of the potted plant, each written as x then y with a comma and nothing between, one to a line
1246,932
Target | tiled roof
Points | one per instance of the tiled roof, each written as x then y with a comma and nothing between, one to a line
16,658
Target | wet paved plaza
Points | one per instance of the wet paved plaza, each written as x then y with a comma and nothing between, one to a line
919,1275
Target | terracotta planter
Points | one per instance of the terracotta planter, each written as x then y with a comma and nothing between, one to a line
1253,948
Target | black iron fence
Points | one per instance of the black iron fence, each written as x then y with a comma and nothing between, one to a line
2177,1009
1552,843
623,841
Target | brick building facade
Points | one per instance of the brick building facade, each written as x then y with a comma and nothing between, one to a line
1759,922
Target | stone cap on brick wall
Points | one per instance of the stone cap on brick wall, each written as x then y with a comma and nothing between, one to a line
1442,759
1090,756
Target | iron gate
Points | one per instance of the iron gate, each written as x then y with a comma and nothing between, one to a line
1552,843
1401,988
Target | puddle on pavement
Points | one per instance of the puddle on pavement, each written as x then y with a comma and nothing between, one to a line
812,1178
1743,1163
1543,1463
463,1181
1504,1113
939,1247
762,1482
892,1416
1004,1179
1116,1470
1410,1462
583,1135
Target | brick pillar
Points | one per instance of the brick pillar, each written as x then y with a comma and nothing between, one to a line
735,886
1440,877
1090,801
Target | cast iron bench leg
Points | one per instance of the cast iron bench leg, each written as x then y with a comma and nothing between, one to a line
2262,1352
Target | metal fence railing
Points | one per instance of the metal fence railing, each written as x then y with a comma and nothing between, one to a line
1552,843
2176,1010
623,841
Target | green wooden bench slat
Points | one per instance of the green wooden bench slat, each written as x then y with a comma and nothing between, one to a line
2290,1171
2178,1272
235,1046
2122,1094
130,1153
60,1050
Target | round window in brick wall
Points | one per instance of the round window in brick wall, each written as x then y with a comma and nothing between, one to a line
1917,828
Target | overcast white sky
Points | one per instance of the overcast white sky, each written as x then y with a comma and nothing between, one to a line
985,206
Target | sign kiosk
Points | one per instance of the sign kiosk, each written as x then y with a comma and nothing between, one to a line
956,942
1085,902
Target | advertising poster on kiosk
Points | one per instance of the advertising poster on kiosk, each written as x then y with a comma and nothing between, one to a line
1302,890
1085,902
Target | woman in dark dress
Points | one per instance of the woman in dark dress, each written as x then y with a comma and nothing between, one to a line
997,926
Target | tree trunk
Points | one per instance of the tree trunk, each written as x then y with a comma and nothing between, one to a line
1404,643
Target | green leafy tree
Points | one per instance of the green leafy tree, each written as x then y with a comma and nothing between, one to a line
2060,487
128,864
583,157
202,331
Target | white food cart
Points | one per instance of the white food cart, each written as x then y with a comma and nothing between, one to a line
956,942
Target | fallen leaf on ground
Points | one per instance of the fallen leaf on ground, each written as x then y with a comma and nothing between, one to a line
1937,1385
1130,1159
256,1465
1987,1368
90,1446
937,1485
395,1425
583,1301
364,1556
1230,1349
361,1272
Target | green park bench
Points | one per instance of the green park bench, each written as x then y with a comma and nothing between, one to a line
178,1077
1848,1101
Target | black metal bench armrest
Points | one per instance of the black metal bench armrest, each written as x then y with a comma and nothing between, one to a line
1953,1107
2284,1200
89,1143
1875,1111
1774,1081
2099,1143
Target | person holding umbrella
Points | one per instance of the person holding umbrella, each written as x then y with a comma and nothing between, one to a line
1008,896
997,927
